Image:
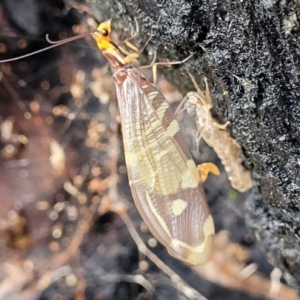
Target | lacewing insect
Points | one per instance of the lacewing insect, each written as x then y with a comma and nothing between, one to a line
164,180
216,137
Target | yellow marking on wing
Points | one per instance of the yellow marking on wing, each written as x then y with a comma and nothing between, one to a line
179,206
209,227
154,125
132,157
161,154
167,178
173,128
190,178
135,161
200,253
161,110
167,189
152,95
157,215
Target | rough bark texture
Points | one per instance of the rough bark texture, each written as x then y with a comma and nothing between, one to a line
252,49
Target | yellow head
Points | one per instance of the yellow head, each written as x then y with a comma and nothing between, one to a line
102,36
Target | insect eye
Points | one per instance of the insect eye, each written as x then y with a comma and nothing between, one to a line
104,32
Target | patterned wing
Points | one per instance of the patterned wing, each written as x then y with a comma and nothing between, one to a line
162,175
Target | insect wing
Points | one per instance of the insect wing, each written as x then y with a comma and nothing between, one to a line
163,178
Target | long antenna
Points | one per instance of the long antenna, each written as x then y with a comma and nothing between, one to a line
54,44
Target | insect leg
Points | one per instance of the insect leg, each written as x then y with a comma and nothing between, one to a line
209,101
149,39
179,108
206,98
203,96
134,33
132,47
154,65
167,63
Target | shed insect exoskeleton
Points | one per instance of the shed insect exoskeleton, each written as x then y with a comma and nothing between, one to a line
215,136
